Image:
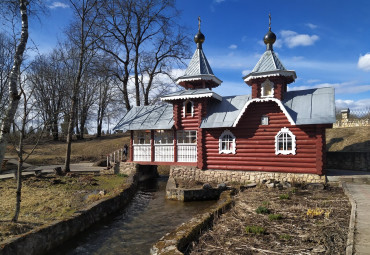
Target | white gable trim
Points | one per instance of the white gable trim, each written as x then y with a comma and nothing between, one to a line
207,77
267,74
214,95
260,100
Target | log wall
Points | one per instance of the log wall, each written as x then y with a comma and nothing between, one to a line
255,144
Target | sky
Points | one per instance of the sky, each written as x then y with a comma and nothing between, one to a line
326,42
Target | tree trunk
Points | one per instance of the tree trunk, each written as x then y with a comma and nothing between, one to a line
55,129
14,97
69,136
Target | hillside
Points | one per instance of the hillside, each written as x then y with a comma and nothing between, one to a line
348,139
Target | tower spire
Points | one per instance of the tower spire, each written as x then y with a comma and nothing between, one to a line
270,37
199,37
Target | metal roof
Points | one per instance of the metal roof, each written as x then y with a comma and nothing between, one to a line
147,117
224,113
198,69
269,65
311,106
191,93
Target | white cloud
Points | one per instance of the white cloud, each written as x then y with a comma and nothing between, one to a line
218,1
55,5
310,25
340,88
364,62
353,105
233,46
293,39
313,81
245,72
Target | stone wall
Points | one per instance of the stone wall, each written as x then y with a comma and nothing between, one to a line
189,173
347,121
359,161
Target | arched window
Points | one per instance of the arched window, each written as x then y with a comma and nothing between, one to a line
285,142
188,108
227,143
267,88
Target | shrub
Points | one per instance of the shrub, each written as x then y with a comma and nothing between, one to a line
262,210
255,230
318,212
284,196
275,217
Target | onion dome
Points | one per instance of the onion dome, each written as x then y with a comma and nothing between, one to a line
269,37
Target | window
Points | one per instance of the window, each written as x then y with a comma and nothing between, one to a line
188,108
285,142
267,88
163,137
141,137
227,143
186,137
264,120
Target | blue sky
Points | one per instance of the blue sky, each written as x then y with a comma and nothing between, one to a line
326,42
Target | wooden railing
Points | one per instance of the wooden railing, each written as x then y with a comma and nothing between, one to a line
164,153
142,152
187,153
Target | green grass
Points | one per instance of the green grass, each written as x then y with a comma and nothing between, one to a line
262,210
285,237
257,230
284,196
275,216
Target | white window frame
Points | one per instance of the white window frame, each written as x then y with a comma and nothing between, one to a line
285,132
141,134
267,82
265,120
184,134
233,142
163,137
184,108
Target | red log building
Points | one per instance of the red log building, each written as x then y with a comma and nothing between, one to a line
272,130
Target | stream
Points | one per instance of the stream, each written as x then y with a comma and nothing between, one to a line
135,229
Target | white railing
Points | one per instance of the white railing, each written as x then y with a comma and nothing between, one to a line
164,153
187,153
142,152
114,157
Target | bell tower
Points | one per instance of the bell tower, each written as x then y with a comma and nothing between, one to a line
269,78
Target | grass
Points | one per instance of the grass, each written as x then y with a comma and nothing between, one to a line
262,210
275,216
348,139
257,230
90,149
284,196
43,201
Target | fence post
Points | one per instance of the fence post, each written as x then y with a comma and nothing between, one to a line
345,115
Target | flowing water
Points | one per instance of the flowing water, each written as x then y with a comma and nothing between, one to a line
134,230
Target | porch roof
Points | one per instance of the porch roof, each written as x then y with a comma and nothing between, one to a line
147,117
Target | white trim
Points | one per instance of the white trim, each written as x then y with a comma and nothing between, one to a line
279,103
270,74
212,94
184,108
267,82
233,150
206,77
285,130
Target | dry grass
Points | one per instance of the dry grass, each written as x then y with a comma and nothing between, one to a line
44,202
348,139
290,231
89,149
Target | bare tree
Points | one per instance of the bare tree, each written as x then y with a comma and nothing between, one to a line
48,77
24,115
6,56
80,35
14,95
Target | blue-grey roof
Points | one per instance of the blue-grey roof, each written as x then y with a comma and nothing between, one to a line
191,93
199,69
268,62
311,106
269,65
224,113
147,117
